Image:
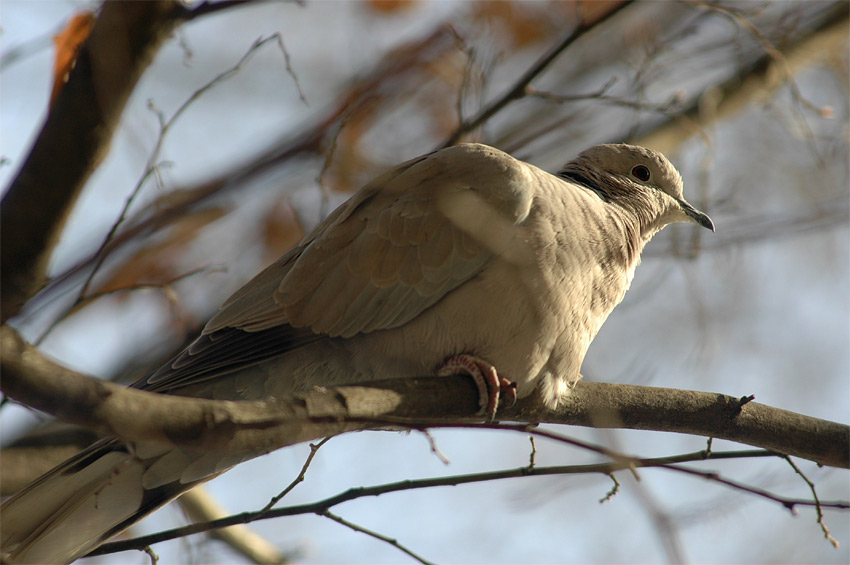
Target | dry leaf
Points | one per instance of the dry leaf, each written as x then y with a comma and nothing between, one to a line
68,43
525,22
161,262
389,6
592,11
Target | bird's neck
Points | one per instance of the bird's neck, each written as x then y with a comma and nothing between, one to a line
631,236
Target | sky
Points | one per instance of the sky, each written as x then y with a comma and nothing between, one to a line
766,316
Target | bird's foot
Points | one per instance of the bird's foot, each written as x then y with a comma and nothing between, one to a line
490,385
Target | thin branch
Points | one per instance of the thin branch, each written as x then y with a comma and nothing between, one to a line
470,54
779,62
29,48
775,54
207,7
434,448
200,506
73,141
631,463
287,60
818,508
153,556
393,542
750,83
151,166
321,506
328,160
158,286
519,88
310,141
614,489
666,109
314,448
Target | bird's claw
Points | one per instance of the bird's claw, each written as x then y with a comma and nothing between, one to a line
490,385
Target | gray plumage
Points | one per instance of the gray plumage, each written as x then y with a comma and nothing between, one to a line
463,251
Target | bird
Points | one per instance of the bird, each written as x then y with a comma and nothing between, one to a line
465,260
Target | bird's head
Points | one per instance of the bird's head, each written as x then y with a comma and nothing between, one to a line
637,178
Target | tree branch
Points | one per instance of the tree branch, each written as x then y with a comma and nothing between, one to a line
751,83
261,426
200,506
608,468
519,88
73,140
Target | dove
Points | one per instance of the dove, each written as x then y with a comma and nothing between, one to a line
462,261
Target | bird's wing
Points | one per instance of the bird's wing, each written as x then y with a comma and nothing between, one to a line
385,256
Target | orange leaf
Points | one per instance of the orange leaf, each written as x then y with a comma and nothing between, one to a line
389,6
160,262
525,23
68,43
592,11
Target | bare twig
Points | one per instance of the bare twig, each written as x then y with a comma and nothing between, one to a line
519,89
779,59
532,456
328,160
779,62
321,506
73,140
434,448
29,48
469,52
153,556
667,108
310,141
376,535
314,448
208,7
200,506
614,489
159,285
818,508
736,93
290,69
151,166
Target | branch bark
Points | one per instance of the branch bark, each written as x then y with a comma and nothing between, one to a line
263,426
73,140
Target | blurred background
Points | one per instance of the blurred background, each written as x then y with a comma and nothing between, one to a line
748,99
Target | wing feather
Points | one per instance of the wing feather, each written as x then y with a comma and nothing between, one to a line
389,253
393,241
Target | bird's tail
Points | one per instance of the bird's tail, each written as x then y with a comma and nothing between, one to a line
89,498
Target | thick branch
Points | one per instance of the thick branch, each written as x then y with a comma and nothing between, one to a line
73,140
608,405
259,427
255,427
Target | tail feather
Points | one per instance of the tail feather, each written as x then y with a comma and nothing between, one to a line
88,499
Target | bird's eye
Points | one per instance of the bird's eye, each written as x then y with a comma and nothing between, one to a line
641,173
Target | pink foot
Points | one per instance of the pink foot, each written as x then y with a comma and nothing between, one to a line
490,384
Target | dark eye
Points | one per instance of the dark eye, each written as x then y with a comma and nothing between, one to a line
641,173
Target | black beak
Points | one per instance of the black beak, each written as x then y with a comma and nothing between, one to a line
697,216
